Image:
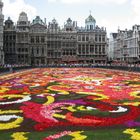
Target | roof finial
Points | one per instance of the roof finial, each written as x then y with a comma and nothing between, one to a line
90,12
118,27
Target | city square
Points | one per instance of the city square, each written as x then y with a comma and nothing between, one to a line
69,70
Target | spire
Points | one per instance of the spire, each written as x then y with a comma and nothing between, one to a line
1,3
1,6
90,12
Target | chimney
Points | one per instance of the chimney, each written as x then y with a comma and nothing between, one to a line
45,20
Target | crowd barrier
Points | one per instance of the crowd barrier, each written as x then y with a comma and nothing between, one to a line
13,69
125,68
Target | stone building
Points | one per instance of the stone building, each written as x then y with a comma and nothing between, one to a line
1,34
39,44
112,46
22,39
69,42
91,43
10,42
54,43
125,45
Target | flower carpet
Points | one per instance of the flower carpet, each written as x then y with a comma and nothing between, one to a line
70,104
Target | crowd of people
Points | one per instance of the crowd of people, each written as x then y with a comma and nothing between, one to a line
13,65
71,65
125,66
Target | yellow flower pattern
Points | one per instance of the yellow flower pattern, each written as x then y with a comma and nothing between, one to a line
135,135
19,136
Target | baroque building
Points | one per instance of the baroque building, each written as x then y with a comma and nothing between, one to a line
1,34
69,42
10,42
91,43
54,43
22,39
124,46
37,43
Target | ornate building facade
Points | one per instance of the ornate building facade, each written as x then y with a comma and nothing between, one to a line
9,44
22,39
92,43
1,34
39,44
124,46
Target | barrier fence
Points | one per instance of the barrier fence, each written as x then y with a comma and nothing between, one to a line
125,68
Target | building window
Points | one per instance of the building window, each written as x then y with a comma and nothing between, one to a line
32,51
43,51
14,49
87,38
96,39
99,38
10,37
14,37
7,37
37,39
91,48
100,49
22,37
83,38
19,49
96,49
91,27
42,39
79,38
103,49
32,39
8,25
11,50
37,51
103,38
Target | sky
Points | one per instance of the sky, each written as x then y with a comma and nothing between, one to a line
112,14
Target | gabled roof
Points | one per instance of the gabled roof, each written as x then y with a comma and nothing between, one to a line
90,19
38,20
23,17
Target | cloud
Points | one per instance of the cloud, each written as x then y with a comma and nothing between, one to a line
136,11
13,8
89,1
112,25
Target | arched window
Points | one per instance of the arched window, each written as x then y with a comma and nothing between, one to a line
91,27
